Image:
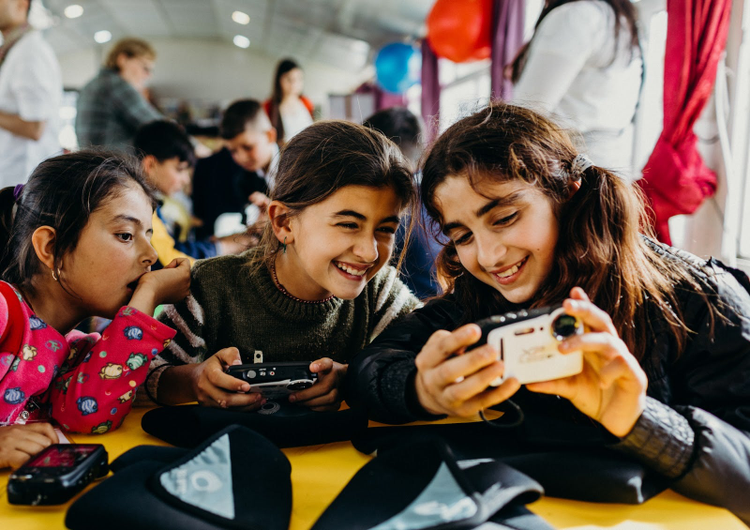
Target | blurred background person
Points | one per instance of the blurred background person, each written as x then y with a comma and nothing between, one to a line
246,165
30,95
404,129
167,159
112,106
584,65
288,110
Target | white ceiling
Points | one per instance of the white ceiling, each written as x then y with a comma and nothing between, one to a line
341,33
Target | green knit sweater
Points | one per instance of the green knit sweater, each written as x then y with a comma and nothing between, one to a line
235,304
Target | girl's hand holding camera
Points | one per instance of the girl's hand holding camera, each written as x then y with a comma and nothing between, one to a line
452,382
165,286
213,387
612,386
324,395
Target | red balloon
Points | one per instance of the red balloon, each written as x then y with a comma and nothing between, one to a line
459,30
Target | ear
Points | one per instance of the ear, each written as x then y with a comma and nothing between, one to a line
120,60
149,162
278,216
43,240
575,185
271,135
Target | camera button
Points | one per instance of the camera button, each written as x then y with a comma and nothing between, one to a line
250,374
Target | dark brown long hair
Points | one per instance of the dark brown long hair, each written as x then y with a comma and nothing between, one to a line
327,156
600,245
62,192
622,8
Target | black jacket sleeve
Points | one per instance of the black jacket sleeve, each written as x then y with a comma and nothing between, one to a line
381,377
710,388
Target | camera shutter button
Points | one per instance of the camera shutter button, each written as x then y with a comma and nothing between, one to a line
250,374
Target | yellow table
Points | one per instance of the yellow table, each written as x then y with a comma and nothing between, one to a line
320,472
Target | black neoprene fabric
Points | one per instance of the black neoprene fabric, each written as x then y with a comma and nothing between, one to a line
290,426
589,472
171,489
425,481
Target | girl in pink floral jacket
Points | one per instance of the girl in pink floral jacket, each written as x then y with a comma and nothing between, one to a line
77,244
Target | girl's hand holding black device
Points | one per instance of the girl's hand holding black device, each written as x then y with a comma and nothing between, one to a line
213,387
57,473
19,442
325,395
314,385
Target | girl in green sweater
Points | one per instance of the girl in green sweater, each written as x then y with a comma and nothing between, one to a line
318,288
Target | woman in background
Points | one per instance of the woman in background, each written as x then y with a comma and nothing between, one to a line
584,65
288,110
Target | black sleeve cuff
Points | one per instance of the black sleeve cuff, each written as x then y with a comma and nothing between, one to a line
662,439
398,393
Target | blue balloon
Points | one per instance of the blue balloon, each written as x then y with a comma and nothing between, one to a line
398,67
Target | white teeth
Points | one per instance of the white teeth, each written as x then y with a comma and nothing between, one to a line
353,272
511,271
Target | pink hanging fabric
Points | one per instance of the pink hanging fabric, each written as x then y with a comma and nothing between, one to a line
675,179
430,92
507,38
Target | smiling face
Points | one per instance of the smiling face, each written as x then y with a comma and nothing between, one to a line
337,245
505,237
114,250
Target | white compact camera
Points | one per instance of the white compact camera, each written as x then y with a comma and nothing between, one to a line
528,340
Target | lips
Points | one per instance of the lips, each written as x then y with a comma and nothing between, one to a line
509,274
351,270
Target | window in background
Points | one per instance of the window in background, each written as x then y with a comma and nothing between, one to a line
465,89
67,135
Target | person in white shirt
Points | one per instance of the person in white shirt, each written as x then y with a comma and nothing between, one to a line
30,95
583,66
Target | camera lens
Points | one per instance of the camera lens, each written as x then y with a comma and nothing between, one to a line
564,326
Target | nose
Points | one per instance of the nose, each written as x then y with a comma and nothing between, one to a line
366,248
490,250
149,256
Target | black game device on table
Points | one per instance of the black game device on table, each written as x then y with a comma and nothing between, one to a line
57,473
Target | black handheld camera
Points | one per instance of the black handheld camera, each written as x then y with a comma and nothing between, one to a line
275,380
57,473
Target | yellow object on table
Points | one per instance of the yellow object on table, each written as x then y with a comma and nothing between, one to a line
320,472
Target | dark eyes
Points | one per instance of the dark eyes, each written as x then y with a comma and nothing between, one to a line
125,236
506,220
354,226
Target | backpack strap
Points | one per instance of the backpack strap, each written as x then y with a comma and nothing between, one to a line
12,336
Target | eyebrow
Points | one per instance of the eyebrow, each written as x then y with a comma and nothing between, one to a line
127,218
357,215
508,200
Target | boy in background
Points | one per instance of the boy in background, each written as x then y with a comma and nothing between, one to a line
224,182
167,158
